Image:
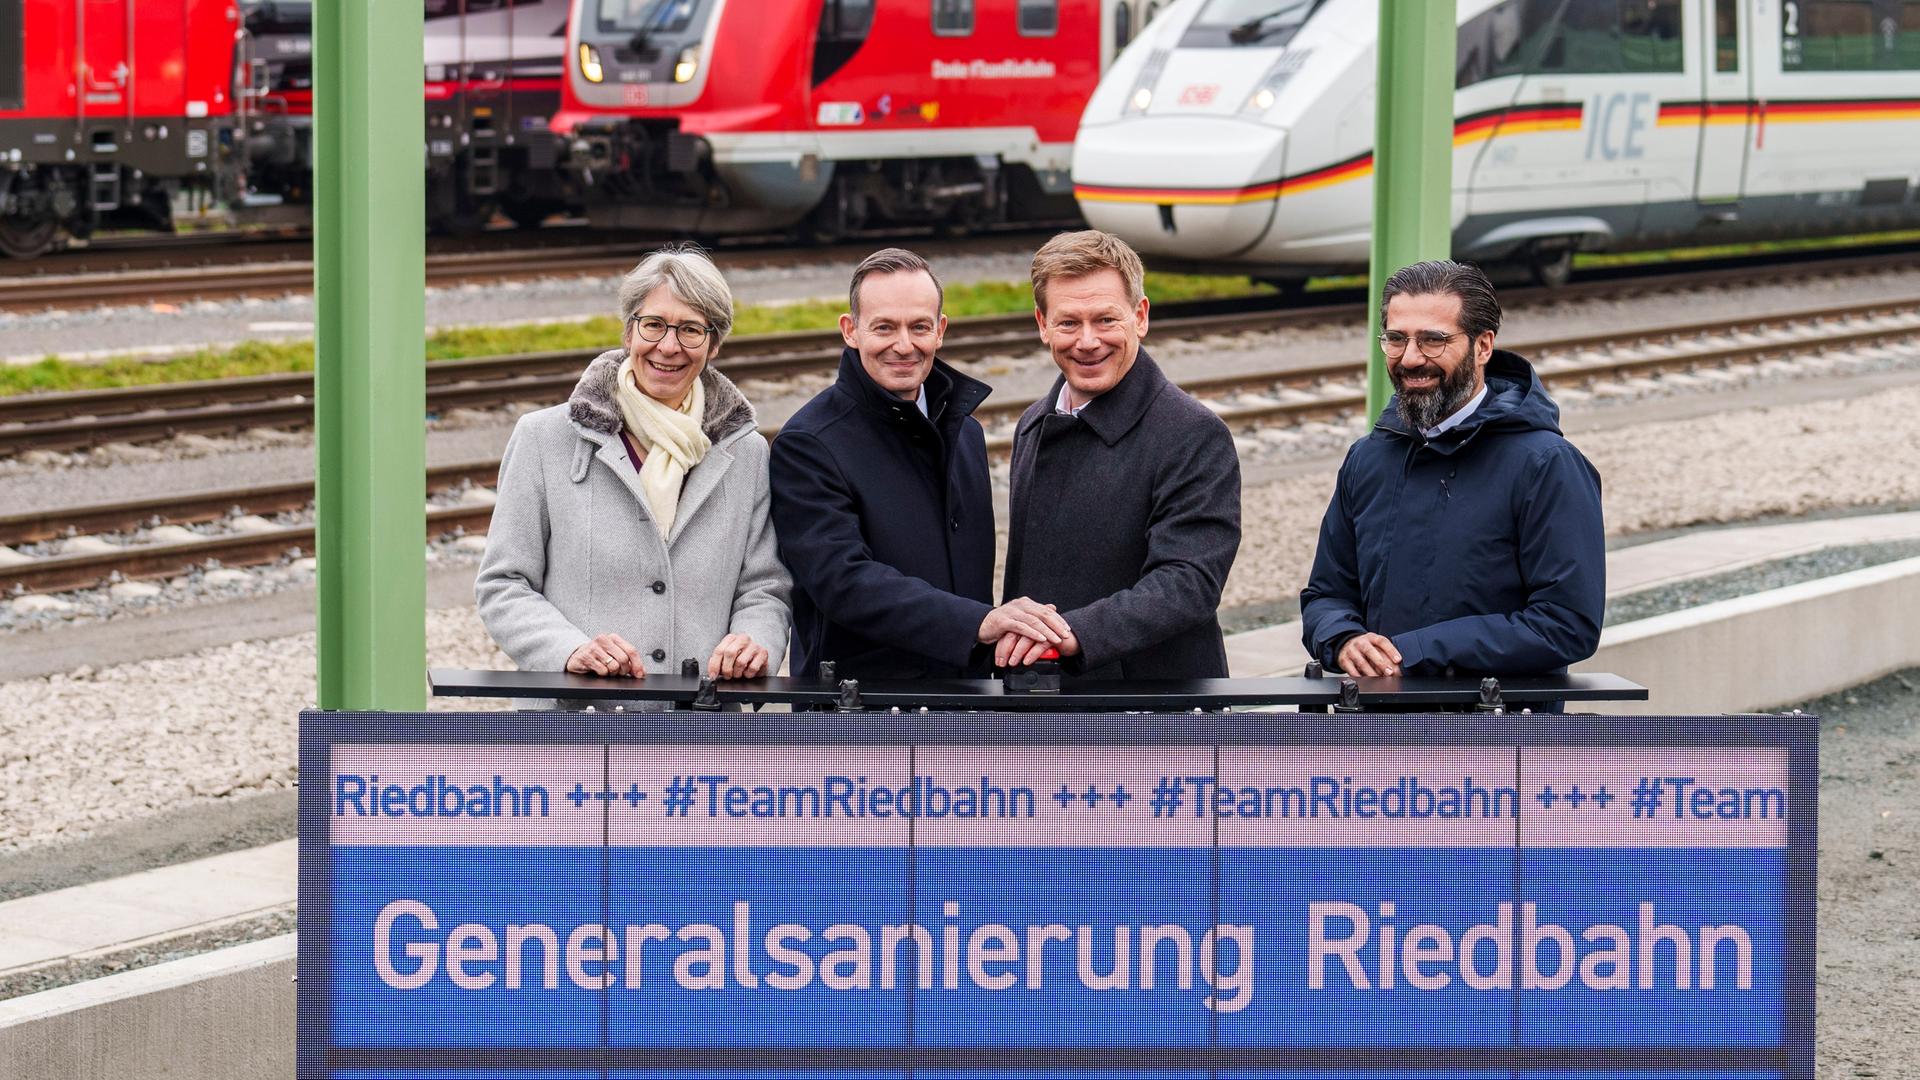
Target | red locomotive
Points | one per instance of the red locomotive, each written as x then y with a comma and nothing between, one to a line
109,111
728,116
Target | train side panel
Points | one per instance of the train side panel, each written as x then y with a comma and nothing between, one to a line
108,110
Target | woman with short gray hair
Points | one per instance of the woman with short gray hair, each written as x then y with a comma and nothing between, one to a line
632,527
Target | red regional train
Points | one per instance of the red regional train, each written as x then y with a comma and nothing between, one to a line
120,106
829,116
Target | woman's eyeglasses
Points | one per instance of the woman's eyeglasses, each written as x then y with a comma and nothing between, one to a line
654,328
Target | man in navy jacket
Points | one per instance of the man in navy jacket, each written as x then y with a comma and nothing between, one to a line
881,503
1465,530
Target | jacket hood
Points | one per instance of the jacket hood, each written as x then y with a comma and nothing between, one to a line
592,405
1516,401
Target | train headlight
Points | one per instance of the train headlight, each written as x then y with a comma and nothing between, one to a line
590,63
1142,95
688,64
1267,91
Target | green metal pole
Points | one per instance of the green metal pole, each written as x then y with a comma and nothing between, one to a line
1412,155
369,262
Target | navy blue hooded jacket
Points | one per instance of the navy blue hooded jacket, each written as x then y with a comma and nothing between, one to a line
885,519
1482,549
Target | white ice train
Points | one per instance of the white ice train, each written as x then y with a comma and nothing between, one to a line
1237,135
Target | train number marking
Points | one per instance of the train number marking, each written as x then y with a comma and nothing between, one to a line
1614,124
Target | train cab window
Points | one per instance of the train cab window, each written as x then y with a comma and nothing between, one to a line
1039,18
646,16
1726,35
844,26
1571,37
953,18
1122,25
1850,35
13,55
1263,24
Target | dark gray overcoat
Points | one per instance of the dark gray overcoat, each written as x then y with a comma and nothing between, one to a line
1127,519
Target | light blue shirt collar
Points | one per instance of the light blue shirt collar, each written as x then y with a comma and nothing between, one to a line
1459,417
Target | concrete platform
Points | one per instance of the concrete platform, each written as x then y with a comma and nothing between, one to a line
124,912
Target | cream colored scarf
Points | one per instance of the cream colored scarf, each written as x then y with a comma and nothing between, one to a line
671,437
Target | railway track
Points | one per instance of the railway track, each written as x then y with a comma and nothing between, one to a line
82,419
197,268
151,538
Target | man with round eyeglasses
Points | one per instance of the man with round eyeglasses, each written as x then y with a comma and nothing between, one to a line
1465,531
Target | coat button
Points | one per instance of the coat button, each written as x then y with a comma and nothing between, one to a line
956,524
659,655
659,587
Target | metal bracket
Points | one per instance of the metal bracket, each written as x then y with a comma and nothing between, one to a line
849,697
706,700
1349,696
1490,697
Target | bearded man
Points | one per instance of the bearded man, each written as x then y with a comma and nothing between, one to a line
1464,531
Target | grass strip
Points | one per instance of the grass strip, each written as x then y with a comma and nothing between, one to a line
53,373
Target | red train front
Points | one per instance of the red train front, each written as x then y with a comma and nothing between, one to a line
727,116
109,110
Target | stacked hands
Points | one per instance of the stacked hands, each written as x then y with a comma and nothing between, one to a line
736,657
1022,630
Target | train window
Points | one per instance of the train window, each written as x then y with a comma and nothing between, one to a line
1122,25
1039,18
1573,37
13,55
1488,45
953,18
1850,35
844,25
646,16
1726,35
1262,23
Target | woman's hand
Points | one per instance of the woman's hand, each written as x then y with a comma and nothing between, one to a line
608,654
737,657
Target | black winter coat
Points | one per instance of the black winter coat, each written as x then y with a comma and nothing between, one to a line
1482,549
1127,519
885,519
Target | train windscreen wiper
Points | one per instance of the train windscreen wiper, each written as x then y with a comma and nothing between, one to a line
1256,28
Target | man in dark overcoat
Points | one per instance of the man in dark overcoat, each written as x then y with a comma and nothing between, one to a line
1464,531
1125,511
881,503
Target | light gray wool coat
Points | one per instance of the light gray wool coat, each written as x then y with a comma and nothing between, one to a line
573,552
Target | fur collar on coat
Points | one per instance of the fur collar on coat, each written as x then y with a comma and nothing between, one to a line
592,405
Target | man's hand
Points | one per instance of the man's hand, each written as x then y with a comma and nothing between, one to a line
1017,651
1369,655
737,657
608,654
1025,618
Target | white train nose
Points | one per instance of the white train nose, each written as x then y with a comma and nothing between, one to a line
1187,186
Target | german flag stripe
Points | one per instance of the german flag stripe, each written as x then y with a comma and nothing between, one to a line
1467,129
1693,113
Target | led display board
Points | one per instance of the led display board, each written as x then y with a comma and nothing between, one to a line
1250,895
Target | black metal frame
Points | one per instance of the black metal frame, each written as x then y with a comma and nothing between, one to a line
1317,693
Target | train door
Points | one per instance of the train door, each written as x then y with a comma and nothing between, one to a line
105,71
1726,96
